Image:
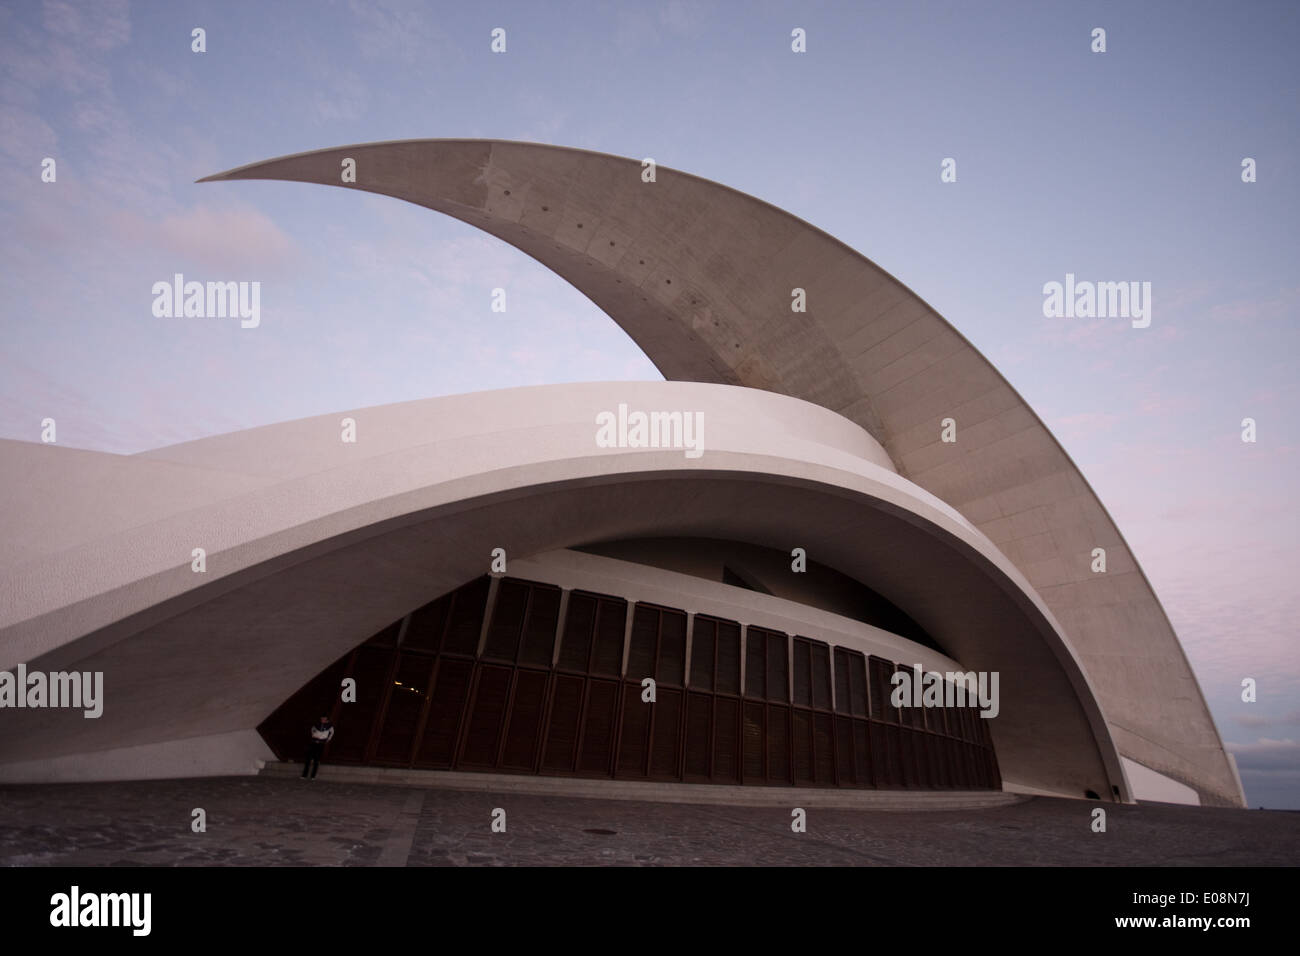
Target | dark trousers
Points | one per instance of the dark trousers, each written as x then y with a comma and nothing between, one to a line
314,750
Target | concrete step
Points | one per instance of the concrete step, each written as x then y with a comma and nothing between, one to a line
656,792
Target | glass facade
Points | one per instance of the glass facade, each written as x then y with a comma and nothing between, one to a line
543,688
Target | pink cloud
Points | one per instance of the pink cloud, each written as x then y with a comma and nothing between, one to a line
230,238
1084,424
1281,306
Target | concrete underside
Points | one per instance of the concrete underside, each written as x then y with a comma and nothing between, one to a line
701,277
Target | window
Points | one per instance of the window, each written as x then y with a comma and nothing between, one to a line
712,706
809,714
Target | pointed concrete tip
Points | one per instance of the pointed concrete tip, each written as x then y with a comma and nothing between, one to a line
245,169
217,177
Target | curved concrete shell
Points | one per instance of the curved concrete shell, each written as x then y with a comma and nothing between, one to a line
701,277
311,542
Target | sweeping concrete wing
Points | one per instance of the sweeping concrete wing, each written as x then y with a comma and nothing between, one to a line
701,277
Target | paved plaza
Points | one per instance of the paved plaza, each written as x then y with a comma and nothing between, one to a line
264,821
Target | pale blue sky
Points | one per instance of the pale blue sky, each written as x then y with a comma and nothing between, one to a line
1116,166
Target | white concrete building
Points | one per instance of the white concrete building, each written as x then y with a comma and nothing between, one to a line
811,436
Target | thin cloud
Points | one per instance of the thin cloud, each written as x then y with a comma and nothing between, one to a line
1267,756
1275,720
228,238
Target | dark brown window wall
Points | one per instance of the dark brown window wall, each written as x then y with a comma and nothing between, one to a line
651,741
713,704
852,728
801,712
766,714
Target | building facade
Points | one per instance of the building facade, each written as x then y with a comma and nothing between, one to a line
374,560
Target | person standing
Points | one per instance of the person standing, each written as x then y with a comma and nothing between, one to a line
321,734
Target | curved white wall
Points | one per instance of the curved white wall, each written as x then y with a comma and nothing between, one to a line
93,538
313,543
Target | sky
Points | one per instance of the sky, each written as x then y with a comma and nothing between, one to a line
1123,165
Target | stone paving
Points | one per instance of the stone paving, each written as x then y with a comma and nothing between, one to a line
263,821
